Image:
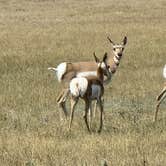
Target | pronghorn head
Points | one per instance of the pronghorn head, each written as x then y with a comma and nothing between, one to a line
118,48
102,65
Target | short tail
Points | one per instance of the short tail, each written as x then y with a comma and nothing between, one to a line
52,69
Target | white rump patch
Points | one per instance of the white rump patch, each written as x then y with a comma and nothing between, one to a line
87,73
60,70
164,71
78,86
96,91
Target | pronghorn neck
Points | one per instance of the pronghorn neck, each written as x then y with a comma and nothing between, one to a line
116,59
114,62
100,74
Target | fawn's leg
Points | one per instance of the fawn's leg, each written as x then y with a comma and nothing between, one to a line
61,100
90,115
160,98
101,114
95,108
87,106
73,104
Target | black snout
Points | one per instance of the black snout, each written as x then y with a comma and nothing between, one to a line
119,54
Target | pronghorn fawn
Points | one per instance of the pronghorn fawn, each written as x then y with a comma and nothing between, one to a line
66,71
161,96
89,88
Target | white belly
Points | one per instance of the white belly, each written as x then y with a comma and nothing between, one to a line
87,73
96,92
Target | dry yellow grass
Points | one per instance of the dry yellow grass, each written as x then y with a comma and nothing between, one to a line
36,34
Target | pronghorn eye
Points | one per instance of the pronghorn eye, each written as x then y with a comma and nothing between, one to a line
114,49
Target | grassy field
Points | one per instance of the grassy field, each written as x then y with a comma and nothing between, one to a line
36,34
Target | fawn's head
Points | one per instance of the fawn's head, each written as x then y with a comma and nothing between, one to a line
103,68
118,48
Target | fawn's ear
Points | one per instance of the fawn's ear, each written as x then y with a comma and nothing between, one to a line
96,58
124,42
105,57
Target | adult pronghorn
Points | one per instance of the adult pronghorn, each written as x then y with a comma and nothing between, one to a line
89,88
66,71
161,96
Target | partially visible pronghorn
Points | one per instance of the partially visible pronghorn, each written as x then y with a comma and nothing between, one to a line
162,95
66,71
89,88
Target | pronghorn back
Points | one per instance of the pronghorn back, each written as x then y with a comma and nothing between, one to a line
66,71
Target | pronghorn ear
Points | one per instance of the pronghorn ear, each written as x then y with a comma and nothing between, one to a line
124,40
110,40
105,57
96,58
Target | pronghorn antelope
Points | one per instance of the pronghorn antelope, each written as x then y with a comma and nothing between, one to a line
89,88
162,95
66,71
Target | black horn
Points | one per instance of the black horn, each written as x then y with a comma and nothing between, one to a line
110,40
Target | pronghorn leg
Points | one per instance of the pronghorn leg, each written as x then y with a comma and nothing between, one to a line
102,100
58,99
61,100
87,106
101,115
73,104
160,98
161,94
63,106
95,108
62,96
90,115
60,105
